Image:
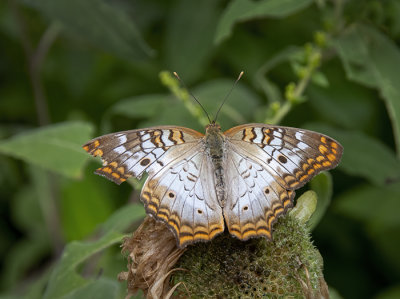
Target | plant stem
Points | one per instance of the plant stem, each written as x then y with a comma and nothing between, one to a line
35,59
182,94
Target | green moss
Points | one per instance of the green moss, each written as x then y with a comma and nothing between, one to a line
258,268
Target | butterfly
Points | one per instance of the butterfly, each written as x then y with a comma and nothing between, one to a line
243,178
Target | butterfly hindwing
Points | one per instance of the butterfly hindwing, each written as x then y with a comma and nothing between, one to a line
254,198
183,196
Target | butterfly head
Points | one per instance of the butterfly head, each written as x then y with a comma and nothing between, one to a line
213,127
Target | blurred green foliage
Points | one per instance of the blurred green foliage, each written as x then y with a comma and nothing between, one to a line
72,70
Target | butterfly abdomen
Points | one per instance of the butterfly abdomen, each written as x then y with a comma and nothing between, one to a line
215,144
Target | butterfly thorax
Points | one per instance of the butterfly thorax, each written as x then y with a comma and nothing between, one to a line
215,144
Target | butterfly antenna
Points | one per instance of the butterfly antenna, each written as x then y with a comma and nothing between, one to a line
227,96
184,85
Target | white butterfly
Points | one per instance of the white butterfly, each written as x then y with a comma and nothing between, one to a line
244,177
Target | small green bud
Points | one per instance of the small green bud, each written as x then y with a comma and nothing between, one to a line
308,49
305,207
315,59
320,39
298,69
275,106
302,72
290,92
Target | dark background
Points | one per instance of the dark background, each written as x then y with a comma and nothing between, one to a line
71,70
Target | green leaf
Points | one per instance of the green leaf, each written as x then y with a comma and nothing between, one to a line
31,205
36,288
56,147
392,292
393,11
26,212
334,294
121,219
376,206
102,288
322,185
23,256
189,37
238,109
78,201
32,290
244,10
319,78
136,107
387,242
372,59
65,280
98,22
174,114
43,193
141,106
343,103
363,155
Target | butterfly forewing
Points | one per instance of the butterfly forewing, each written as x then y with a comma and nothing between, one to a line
131,153
294,155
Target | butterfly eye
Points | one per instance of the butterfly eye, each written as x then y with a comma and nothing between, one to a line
282,159
145,162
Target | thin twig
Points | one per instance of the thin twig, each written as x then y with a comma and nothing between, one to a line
35,64
298,90
34,59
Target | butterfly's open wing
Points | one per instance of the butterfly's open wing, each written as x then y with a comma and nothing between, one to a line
183,195
265,164
179,189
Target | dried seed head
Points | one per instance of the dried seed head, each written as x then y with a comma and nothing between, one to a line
152,254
